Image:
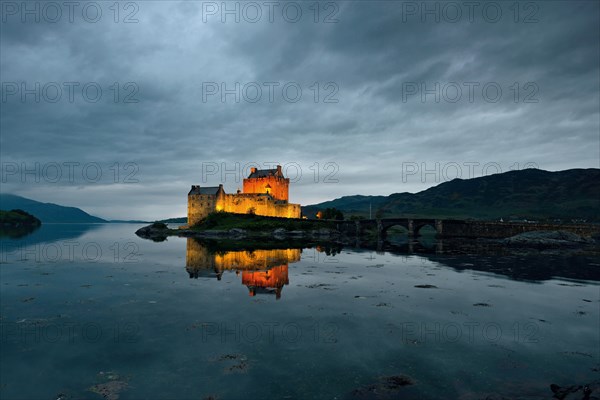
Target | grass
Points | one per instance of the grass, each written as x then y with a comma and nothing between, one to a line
159,225
224,221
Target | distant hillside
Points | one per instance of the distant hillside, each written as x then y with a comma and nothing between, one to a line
350,205
180,220
47,212
129,221
526,194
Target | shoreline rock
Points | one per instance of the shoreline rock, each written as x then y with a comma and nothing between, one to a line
159,232
547,240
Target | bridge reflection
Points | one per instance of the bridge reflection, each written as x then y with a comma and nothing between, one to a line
262,270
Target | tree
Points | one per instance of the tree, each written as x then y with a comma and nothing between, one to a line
356,218
332,213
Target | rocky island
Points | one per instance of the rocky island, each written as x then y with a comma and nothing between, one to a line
245,226
17,223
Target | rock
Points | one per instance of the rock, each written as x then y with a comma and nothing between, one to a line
111,387
157,232
324,233
546,239
384,387
109,390
577,392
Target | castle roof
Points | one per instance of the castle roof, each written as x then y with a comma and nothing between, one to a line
204,190
263,173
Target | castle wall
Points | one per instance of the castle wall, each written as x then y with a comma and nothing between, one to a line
279,186
261,205
199,206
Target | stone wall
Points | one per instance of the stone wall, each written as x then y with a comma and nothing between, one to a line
482,229
279,186
463,228
199,206
261,205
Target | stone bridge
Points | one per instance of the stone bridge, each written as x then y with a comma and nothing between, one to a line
448,228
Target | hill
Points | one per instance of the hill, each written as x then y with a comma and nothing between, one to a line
47,212
351,205
531,194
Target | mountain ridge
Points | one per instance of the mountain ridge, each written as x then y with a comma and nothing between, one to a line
526,194
572,194
47,212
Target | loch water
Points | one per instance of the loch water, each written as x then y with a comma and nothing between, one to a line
93,311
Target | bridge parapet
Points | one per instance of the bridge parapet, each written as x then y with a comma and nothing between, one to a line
449,228
489,229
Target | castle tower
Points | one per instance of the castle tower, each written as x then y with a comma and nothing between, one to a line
268,181
202,201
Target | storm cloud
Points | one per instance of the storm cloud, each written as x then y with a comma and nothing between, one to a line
118,110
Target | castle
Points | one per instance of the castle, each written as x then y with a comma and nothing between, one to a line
265,193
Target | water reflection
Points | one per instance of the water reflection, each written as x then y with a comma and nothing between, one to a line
263,270
17,232
46,233
355,324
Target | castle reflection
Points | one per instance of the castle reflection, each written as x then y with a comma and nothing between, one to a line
263,270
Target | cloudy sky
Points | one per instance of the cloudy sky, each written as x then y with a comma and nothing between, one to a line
118,110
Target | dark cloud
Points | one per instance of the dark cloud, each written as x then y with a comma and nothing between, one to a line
374,135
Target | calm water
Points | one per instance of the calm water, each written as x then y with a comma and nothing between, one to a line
94,309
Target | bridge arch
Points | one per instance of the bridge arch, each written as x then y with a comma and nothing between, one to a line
417,227
461,228
400,229
385,225
413,226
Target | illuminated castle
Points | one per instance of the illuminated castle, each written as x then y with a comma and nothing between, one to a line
265,193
